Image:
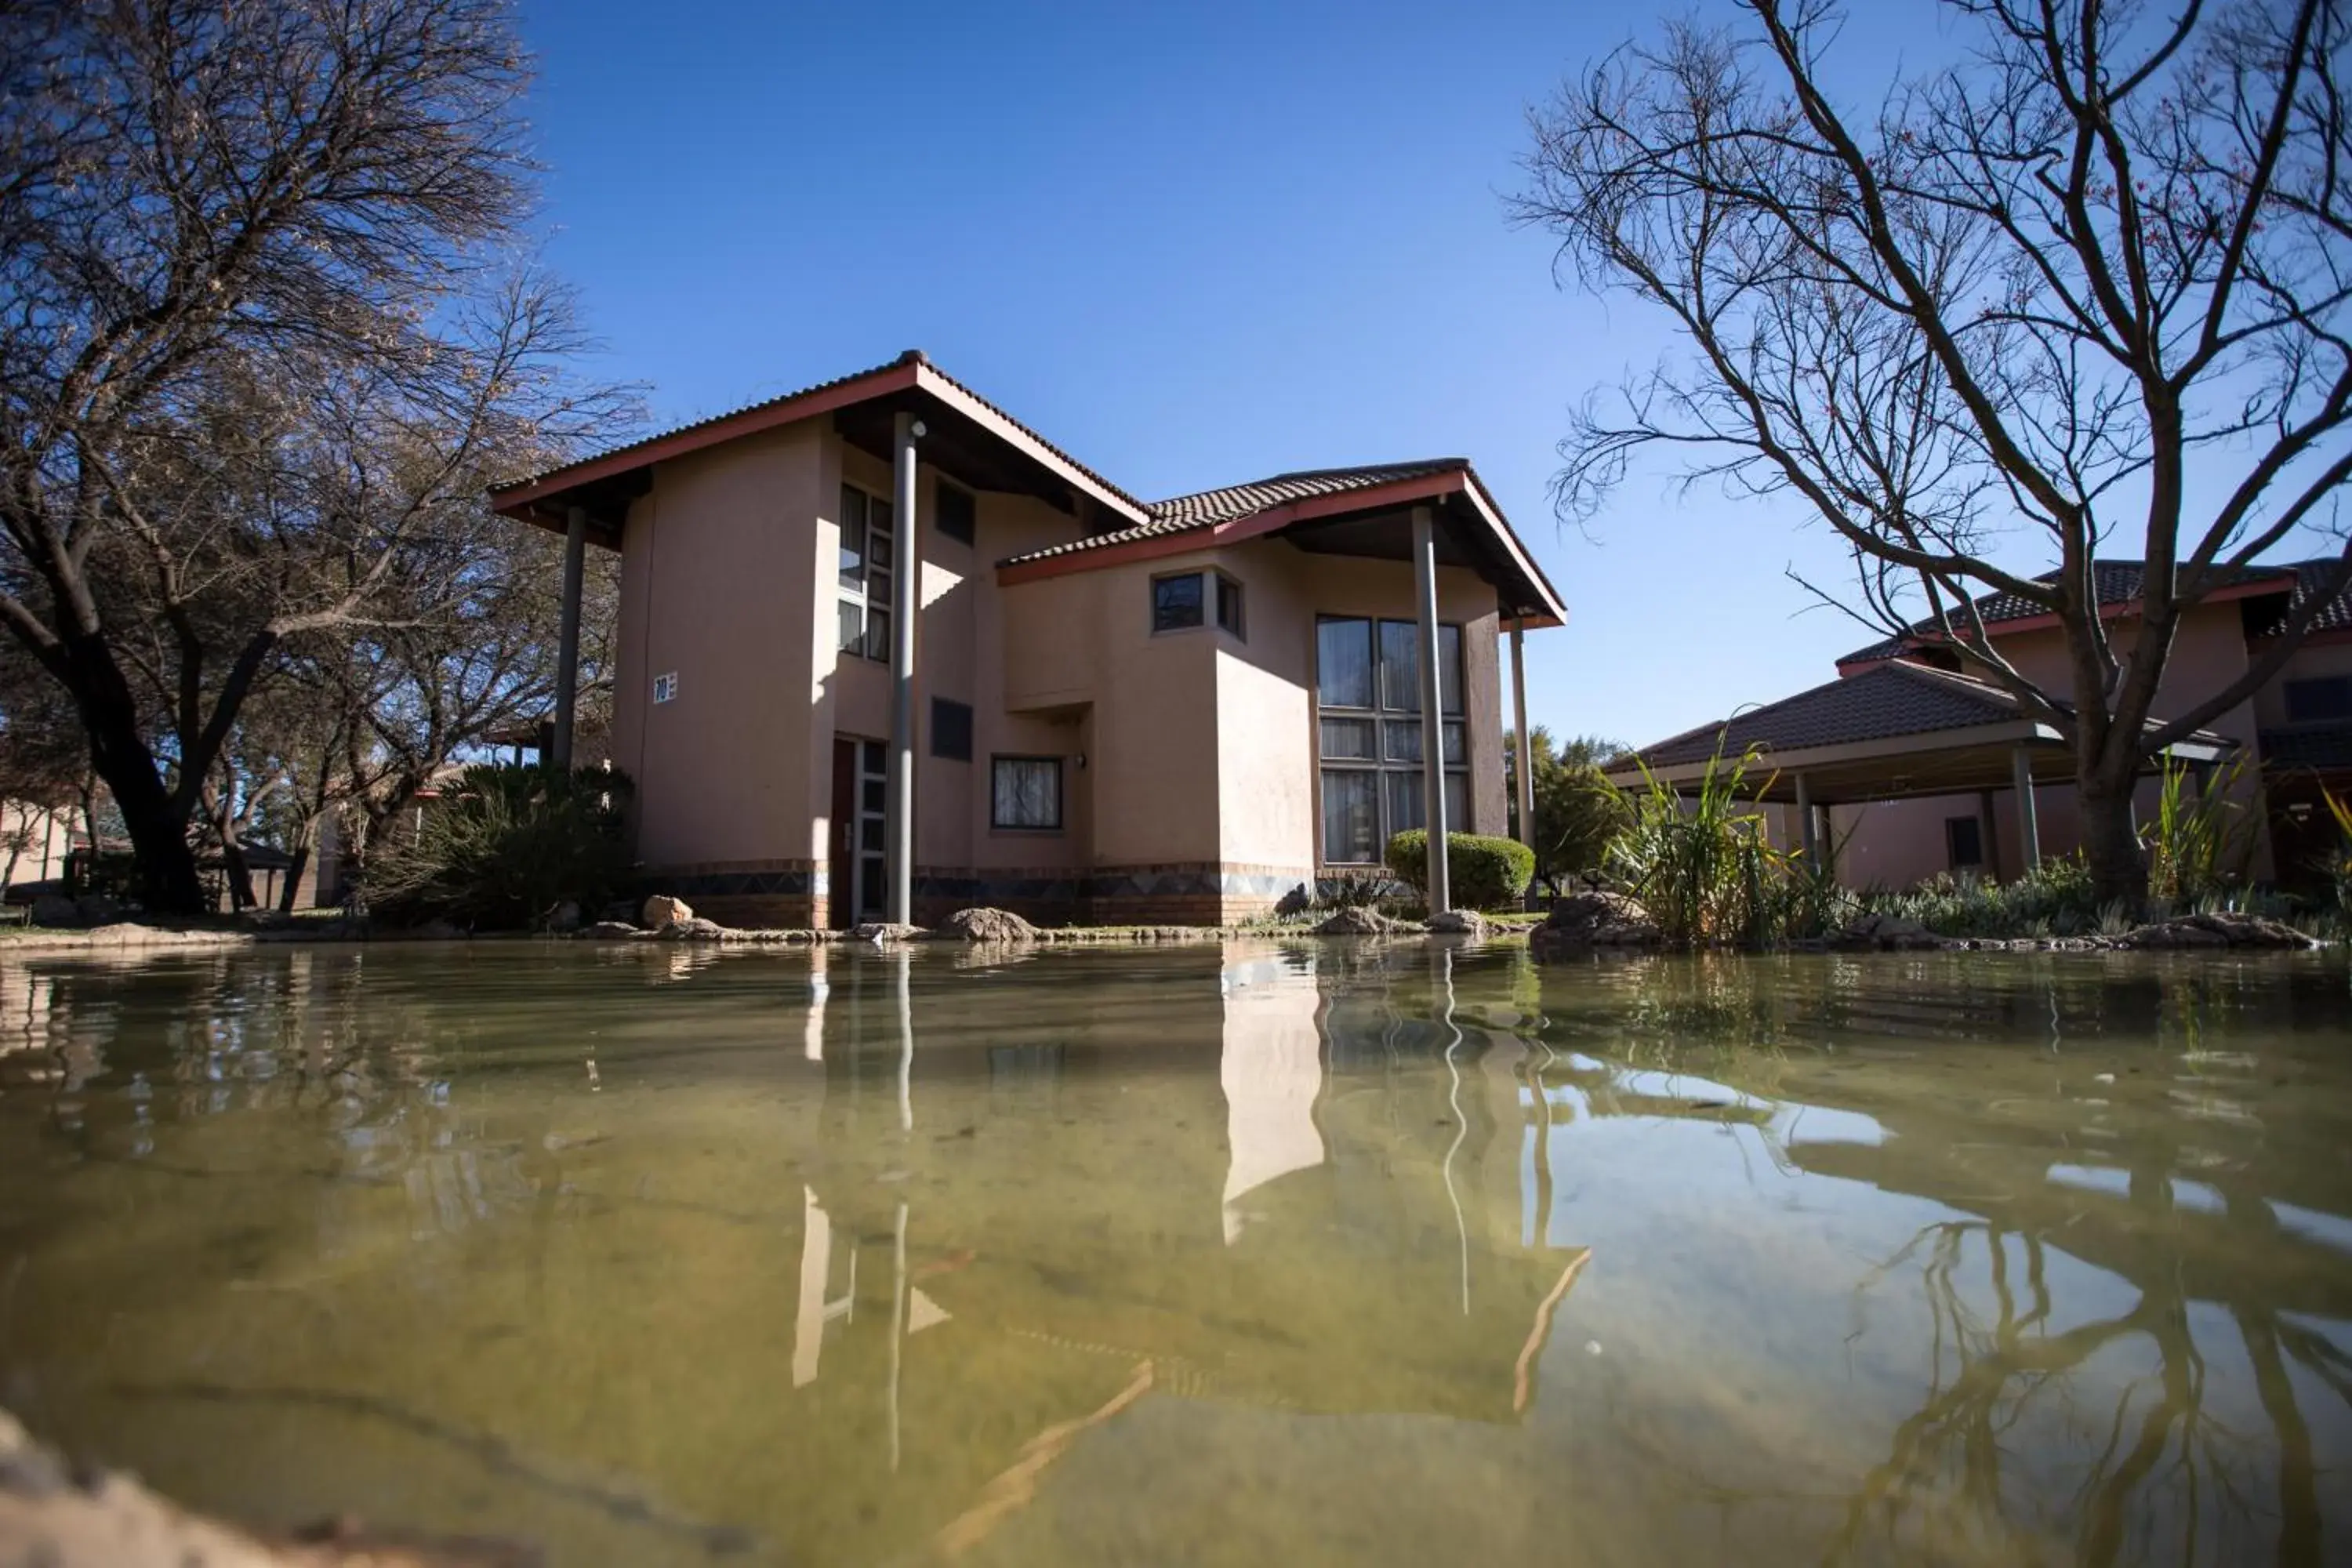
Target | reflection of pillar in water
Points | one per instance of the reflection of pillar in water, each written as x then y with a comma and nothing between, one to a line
897,1322
1454,1099
903,964
1272,1070
816,1309
820,990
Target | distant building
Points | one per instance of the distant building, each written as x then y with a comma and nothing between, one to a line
1917,767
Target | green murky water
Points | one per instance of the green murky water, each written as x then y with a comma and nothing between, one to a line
1200,1255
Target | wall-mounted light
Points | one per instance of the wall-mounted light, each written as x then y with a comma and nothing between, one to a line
1082,762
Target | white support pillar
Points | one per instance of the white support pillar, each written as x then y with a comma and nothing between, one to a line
2029,831
567,636
1525,780
1432,719
898,788
1808,826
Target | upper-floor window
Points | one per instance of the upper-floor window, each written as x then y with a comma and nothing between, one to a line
951,730
2318,698
866,569
955,511
1368,717
1185,599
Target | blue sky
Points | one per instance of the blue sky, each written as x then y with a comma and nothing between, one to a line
1192,247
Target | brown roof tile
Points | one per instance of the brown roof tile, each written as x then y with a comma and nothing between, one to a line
1206,509
2118,582
1896,699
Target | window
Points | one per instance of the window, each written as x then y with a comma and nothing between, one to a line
1368,733
1182,601
1025,792
2319,699
866,575
951,730
665,687
956,511
1229,604
1964,838
1176,603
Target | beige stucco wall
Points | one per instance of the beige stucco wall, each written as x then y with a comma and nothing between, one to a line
716,560
2312,659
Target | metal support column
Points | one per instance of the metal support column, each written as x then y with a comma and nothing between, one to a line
2029,832
567,636
898,788
1525,780
1432,723
1808,827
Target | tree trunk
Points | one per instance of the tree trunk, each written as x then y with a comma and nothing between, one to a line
298,862
2111,846
165,863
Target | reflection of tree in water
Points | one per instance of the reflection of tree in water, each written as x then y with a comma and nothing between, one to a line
2166,1470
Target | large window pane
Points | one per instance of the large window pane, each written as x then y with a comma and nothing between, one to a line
1176,603
1457,803
877,635
1400,667
853,625
853,538
1401,740
1351,828
1347,738
1343,663
1405,800
1026,792
1449,670
1454,744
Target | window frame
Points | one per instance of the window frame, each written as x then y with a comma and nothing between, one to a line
1222,585
1973,826
1200,604
862,596
1214,587
1061,793
1453,718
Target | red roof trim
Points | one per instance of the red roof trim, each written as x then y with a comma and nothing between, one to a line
1235,531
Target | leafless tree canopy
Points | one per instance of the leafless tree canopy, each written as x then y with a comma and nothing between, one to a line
2087,283
263,340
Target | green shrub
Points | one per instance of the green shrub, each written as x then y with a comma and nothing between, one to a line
504,847
1482,873
2202,838
2054,898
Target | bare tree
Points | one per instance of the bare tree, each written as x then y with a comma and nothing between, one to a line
2085,286
258,335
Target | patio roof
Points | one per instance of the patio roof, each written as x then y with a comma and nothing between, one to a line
1895,731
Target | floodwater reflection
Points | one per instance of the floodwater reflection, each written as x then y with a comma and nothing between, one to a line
1239,1253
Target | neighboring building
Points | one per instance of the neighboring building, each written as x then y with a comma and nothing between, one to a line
34,841
1915,768
1172,712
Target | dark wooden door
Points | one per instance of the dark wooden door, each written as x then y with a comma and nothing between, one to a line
841,859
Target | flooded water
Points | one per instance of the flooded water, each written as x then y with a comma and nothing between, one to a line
1234,1253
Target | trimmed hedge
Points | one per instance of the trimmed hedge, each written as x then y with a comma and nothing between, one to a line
1485,873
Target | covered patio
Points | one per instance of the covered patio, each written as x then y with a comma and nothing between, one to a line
1897,732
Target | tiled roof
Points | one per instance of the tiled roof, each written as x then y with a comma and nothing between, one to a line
912,356
1205,509
2118,582
1896,699
2324,747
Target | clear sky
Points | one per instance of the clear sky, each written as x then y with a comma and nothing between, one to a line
1192,245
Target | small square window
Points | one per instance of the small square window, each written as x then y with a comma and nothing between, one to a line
951,730
956,511
1025,792
1229,604
1176,603
665,685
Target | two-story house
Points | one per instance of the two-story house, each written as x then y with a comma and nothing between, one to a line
885,651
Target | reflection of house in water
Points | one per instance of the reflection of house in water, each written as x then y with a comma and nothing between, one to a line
1061,1226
